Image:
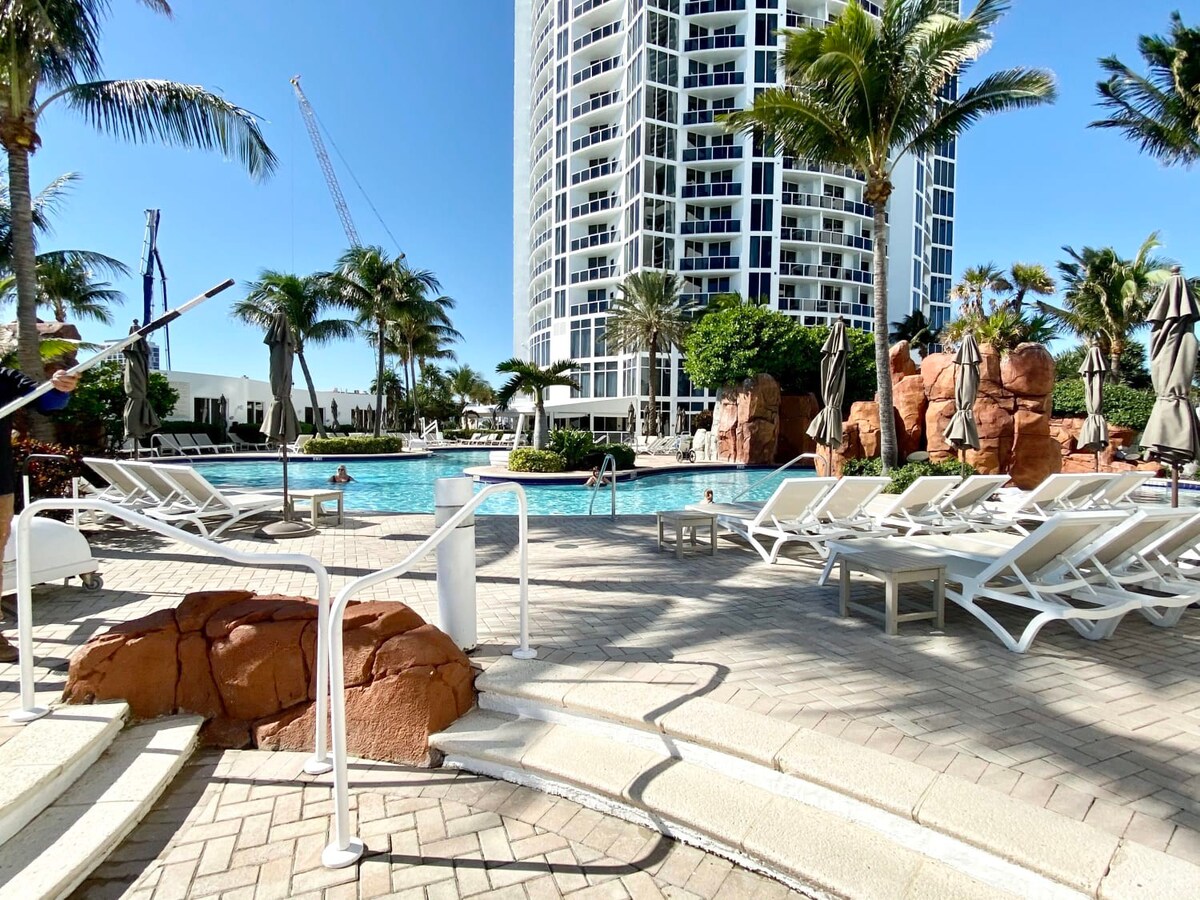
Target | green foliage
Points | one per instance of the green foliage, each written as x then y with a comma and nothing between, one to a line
1003,328
48,478
573,446
362,446
622,454
251,434
95,416
526,459
736,343
905,475
1123,405
1133,365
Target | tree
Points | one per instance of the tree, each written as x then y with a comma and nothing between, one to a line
916,329
530,378
393,392
650,316
100,400
976,282
53,46
1025,279
466,385
866,93
1159,110
1133,365
1108,297
1002,327
422,331
303,300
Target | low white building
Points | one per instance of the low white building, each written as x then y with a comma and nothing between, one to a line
246,400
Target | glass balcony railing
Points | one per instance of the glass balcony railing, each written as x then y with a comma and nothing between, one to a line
792,164
702,7
834,273
833,238
714,42
710,154
601,239
711,226
596,68
593,274
542,238
791,198
608,133
795,20
714,189
593,172
593,206
586,7
705,116
596,34
540,268
713,79
595,103
707,263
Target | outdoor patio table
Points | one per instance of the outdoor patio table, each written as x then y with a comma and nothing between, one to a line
685,522
894,565
316,500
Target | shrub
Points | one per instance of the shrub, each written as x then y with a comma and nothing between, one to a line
526,459
48,477
364,446
573,446
905,475
94,418
1133,365
1124,406
622,454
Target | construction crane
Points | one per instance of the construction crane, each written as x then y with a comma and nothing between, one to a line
150,260
335,190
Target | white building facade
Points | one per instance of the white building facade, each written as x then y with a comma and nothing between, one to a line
621,165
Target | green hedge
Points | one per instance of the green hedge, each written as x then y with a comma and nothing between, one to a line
622,454
905,475
526,459
1124,406
354,445
573,446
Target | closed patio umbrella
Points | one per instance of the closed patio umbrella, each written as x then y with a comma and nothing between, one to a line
333,413
1173,433
139,418
961,431
826,428
1094,433
680,419
280,425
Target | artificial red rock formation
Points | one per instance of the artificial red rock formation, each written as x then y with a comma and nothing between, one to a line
748,431
908,396
796,413
901,362
246,663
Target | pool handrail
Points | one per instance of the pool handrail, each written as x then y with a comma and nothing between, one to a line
345,850
29,711
787,465
608,458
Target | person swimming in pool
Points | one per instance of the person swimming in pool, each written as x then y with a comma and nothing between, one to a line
708,496
341,476
594,478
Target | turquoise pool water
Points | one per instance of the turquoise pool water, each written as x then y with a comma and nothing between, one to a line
406,485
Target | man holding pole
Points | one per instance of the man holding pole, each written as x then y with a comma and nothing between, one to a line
14,385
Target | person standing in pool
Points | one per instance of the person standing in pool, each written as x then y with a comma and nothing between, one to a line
341,476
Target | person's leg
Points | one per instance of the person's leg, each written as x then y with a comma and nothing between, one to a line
8,653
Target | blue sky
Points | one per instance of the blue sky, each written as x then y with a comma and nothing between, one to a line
418,96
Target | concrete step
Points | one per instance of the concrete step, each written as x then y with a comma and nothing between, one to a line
58,849
46,757
635,744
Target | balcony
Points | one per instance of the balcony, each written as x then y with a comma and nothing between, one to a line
542,267
543,181
711,226
542,94
598,205
792,164
596,274
537,16
595,103
714,189
597,68
582,10
795,20
542,151
705,116
709,7
595,138
833,273
542,238
714,42
596,35
594,172
542,63
713,79
791,198
588,241
832,238
542,122
708,263
712,154
540,297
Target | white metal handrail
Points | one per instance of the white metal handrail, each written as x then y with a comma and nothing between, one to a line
345,850
787,465
320,762
604,466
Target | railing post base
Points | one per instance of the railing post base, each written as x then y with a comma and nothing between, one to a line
25,716
528,653
334,857
318,765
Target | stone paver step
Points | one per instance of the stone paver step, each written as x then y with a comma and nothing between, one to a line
609,736
46,756
51,855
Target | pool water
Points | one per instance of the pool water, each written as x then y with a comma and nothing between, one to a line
406,485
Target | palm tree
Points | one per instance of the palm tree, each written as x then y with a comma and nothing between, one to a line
421,331
866,94
465,384
376,286
52,53
915,329
68,287
1159,110
530,378
303,299
650,316
976,282
393,392
1025,279
1108,297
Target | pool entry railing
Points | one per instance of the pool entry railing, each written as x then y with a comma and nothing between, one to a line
345,849
609,462
787,465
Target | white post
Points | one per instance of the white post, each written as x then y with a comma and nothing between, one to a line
456,562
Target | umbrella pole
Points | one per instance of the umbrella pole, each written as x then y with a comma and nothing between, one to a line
287,517
1174,486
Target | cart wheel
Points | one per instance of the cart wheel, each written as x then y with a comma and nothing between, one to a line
679,456
92,581
691,456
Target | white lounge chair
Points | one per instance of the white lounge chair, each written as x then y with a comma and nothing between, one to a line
1117,490
204,442
1047,499
297,446
785,517
915,509
207,503
171,445
844,505
133,447
120,488
158,491
966,502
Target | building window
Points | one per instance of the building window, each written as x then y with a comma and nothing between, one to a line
255,412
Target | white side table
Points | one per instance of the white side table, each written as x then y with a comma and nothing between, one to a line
894,565
685,523
316,500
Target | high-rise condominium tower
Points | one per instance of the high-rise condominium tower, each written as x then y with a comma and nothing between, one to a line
621,164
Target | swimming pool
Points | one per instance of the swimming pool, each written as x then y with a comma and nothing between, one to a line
406,485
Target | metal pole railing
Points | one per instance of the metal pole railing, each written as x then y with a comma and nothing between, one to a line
320,761
346,849
791,462
604,465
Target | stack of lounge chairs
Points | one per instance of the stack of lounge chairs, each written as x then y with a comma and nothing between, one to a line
186,445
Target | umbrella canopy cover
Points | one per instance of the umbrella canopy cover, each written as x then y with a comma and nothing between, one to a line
826,428
280,425
962,431
140,418
1094,433
1173,433
333,412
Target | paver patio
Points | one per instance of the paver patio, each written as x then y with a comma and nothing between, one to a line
1103,732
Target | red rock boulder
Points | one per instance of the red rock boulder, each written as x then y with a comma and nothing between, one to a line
1028,371
749,425
247,664
908,396
796,413
901,362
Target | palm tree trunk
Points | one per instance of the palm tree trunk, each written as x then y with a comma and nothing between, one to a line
1114,361
407,387
318,419
29,357
652,391
416,404
379,383
883,369
539,415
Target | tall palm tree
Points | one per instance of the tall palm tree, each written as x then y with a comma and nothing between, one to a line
975,284
465,384
304,300
866,93
393,392
68,287
649,316
51,57
917,330
530,378
422,331
1108,297
1025,279
1161,109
